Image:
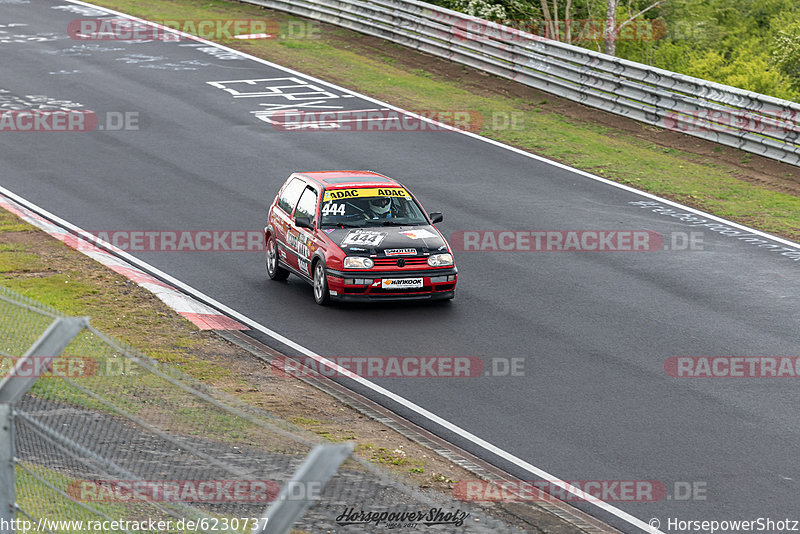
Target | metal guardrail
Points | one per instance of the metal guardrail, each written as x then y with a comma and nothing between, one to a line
734,117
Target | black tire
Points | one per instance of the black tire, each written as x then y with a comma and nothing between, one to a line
274,271
321,294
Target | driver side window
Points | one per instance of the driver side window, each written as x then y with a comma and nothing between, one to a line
307,206
290,195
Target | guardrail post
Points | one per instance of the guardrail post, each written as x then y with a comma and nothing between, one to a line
7,497
15,384
318,467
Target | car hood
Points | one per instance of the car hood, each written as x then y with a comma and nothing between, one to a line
388,240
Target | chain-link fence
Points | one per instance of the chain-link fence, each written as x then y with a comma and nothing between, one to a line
109,440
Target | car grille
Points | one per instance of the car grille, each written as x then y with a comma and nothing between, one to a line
408,263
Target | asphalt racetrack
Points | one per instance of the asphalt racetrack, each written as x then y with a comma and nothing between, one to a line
594,330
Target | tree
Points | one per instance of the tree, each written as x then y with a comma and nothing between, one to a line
786,53
612,30
480,8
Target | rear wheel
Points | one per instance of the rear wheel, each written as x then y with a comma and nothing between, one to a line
321,294
274,271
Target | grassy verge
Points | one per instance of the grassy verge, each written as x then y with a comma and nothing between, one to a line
392,73
46,502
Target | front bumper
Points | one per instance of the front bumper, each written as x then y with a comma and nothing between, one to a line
363,286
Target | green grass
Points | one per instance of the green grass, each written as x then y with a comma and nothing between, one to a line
41,501
13,224
15,261
63,291
382,455
65,282
150,397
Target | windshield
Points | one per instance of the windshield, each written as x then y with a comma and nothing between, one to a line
370,207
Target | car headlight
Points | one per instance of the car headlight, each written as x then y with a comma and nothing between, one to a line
440,260
358,262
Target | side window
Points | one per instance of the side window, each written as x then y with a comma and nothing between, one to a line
290,195
307,205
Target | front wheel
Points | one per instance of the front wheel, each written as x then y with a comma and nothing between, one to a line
274,271
321,294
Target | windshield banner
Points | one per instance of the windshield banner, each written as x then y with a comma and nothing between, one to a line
342,194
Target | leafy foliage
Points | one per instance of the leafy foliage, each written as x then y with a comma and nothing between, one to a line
786,53
752,44
480,8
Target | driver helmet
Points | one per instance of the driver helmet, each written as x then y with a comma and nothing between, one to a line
380,206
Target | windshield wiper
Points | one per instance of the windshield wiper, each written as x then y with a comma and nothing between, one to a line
342,225
387,222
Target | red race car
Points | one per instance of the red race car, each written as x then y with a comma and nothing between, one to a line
357,236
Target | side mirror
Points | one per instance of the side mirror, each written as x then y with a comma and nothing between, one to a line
436,217
303,222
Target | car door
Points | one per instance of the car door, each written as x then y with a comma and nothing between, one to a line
301,240
282,220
